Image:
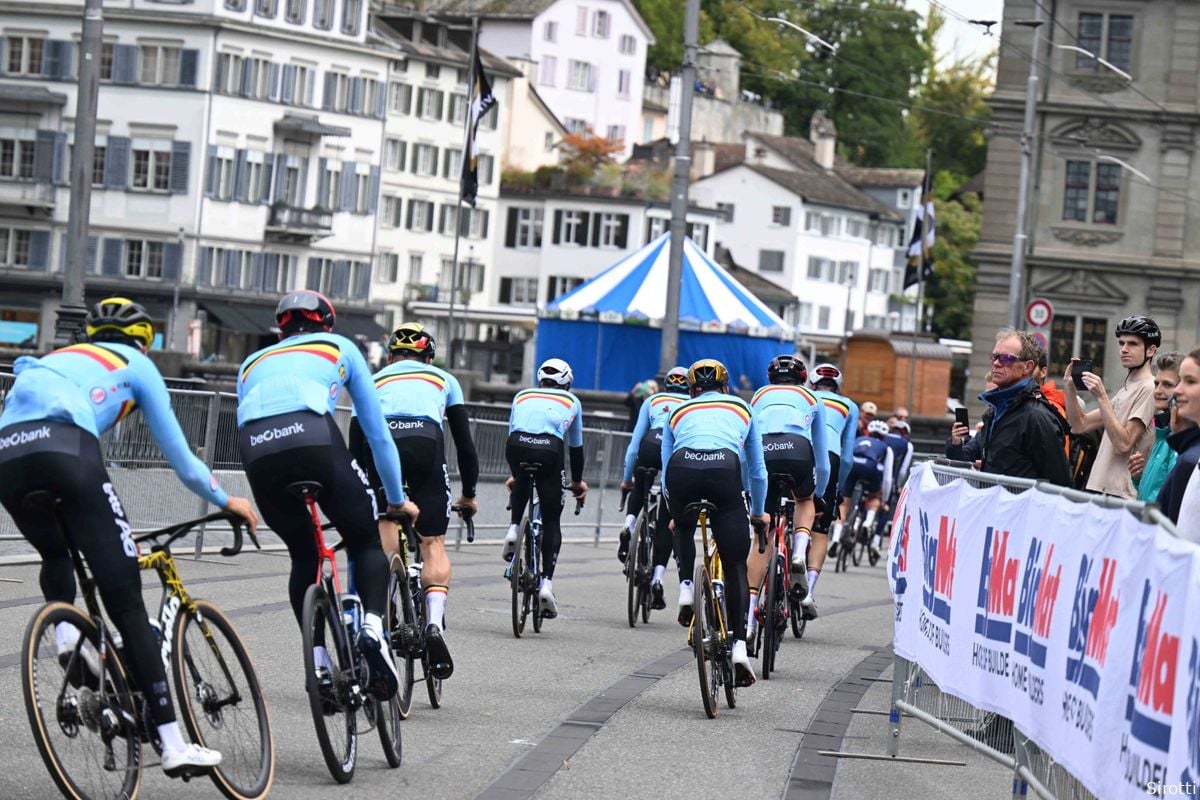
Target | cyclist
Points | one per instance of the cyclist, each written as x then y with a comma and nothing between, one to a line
415,395
841,419
53,416
287,393
540,419
712,451
645,450
873,466
902,453
791,420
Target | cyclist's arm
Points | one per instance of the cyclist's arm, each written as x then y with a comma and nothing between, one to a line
888,466
668,448
374,427
848,434
575,444
464,446
755,470
150,392
635,441
358,446
820,448
905,465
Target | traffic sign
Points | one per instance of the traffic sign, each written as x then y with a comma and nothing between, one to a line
1042,340
1039,312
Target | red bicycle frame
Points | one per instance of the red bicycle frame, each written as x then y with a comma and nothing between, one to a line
325,553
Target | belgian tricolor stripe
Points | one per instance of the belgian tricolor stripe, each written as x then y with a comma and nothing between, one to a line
665,401
838,406
126,409
326,350
428,377
767,390
535,395
109,359
722,405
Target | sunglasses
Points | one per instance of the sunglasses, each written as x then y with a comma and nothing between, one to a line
1006,359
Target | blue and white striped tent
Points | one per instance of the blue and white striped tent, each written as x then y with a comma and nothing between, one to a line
609,327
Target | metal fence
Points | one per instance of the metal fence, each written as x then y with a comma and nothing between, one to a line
914,693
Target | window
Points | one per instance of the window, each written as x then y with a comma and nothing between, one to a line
256,190
265,8
303,84
624,81
460,76
875,322
576,125
655,227
429,104
823,317
351,17
391,211
550,32
558,285
433,71
770,260
804,315
824,224
601,22
628,45
420,215
331,182
726,210
581,21
781,215
337,88
887,236
524,228
159,65
370,96
235,5
393,154
323,14
848,273
616,133
1109,36
452,164
14,247
223,183
904,198
98,164
294,11
362,192
401,99
424,160
486,167
877,280
107,54
143,259
1092,192
491,118
458,108
16,158
573,229
579,76
389,267
821,269
547,70
150,166
548,142
518,291
856,228
613,230
229,74
256,78
476,226
24,55
698,233
278,272
414,267
292,190
1085,337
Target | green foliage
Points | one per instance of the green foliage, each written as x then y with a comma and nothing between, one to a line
950,293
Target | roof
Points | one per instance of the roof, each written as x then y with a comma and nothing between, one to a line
549,112
727,155
310,126
881,176
902,344
720,47
826,189
795,149
13,93
974,185
513,10
766,290
424,51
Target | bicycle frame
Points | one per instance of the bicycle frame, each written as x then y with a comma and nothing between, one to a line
716,573
326,556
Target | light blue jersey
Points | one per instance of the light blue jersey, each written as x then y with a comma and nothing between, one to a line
307,373
716,421
841,417
412,389
784,408
548,411
653,416
94,386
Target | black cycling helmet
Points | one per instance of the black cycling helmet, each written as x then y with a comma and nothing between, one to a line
1140,325
787,369
707,375
304,311
119,319
676,380
411,339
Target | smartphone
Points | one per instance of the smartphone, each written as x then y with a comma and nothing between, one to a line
1077,370
960,416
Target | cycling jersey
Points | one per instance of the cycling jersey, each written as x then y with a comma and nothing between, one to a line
94,386
841,417
549,411
873,459
788,409
715,421
902,451
306,373
409,388
652,417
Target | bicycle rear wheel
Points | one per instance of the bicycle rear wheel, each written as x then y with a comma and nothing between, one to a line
401,628
533,599
387,722
645,563
860,544
516,577
433,686
632,568
704,640
83,731
329,694
798,621
770,628
222,701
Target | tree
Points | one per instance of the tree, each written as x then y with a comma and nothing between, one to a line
585,153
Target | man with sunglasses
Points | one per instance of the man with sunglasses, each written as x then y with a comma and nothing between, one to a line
1022,435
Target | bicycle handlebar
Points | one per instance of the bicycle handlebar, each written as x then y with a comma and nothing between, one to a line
761,531
467,518
174,532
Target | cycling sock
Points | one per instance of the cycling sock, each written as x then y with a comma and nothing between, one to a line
512,532
171,737
876,540
435,603
629,520
813,574
374,622
836,533
869,520
321,657
660,572
800,543
752,612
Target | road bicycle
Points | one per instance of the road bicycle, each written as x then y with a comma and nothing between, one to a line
639,564
90,721
525,569
777,601
853,539
708,634
338,691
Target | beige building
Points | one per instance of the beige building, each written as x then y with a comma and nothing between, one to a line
531,132
1104,240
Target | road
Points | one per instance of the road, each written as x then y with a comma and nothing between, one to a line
588,708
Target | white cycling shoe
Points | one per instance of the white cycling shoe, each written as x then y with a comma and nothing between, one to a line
686,598
549,605
190,759
510,546
743,673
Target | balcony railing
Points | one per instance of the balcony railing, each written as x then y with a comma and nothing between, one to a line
27,193
308,223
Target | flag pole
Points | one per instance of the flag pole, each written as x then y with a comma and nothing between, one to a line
912,361
458,205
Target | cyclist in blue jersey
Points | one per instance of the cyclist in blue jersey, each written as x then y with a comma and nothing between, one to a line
791,420
645,451
54,414
287,393
415,396
902,453
712,451
873,466
542,420
841,421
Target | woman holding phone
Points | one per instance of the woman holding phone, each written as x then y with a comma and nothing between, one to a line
1185,442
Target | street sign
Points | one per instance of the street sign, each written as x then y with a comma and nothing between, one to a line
1042,340
1039,312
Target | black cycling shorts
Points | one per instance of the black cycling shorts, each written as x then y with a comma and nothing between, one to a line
866,471
789,454
422,449
650,450
833,497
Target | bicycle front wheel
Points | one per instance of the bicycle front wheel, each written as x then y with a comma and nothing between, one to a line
645,564
704,640
769,630
329,689
401,628
83,730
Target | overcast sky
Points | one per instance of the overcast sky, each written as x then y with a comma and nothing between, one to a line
958,39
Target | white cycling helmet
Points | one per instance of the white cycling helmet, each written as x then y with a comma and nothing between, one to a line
557,372
877,426
825,372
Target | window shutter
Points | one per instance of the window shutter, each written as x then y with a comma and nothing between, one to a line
39,250
256,271
116,162
273,83
233,261
322,182
204,267
43,156
483,226
363,290
348,188
373,199
433,160
289,83
125,64
314,275
443,221
110,264
340,286
623,231
381,94
428,216
302,185
247,78
408,221
440,97
506,290
558,216
270,275
219,70
309,91
89,264
188,60
58,173
403,155
240,177
181,165
595,218
355,103
264,191
280,177
172,260
510,228
210,174
62,252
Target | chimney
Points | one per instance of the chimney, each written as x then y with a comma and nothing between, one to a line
823,134
704,160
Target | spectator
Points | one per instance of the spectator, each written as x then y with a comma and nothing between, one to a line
1150,472
866,413
901,414
637,395
1186,442
1126,417
1022,434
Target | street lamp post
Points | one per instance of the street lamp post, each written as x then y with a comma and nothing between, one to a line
1016,284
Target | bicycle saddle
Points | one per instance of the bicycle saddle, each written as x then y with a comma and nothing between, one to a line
703,505
782,480
302,489
530,466
647,471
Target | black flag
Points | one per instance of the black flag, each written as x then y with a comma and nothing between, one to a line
920,246
480,102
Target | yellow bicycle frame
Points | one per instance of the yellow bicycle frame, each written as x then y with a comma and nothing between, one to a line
716,573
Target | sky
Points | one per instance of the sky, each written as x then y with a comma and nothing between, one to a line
958,39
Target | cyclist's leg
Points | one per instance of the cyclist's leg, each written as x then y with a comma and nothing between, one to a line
731,527
515,452
680,491
424,464
550,495
360,450
821,525
756,565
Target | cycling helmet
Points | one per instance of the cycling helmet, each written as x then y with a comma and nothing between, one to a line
707,374
411,338
304,311
827,372
877,426
119,319
676,380
787,369
901,425
1140,325
556,371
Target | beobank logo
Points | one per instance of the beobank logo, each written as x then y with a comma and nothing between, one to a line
1152,676
997,588
938,555
1093,615
1035,608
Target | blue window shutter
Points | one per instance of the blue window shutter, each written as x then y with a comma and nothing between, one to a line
373,200
354,106
280,177
51,55
256,270
62,252
308,97
116,162
232,261
348,174
125,64
314,275
268,170
341,278
59,175
247,79
43,156
363,290
273,83
188,60
172,260
327,97
287,93
241,186
204,267
219,69
89,264
181,166
110,264
381,101
210,174
39,250
323,183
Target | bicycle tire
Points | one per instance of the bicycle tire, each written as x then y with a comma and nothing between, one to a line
39,658
798,621
516,577
632,567
339,742
401,626
645,569
433,686
387,722
860,545
703,640
203,694
768,631
533,598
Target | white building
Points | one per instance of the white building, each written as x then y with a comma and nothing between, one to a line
591,56
532,132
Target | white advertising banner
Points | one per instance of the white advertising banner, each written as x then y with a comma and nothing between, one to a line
1079,623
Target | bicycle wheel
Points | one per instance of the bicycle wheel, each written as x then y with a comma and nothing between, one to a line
859,544
387,721
82,730
798,621
222,701
401,627
645,568
433,686
704,640
633,568
334,717
533,600
769,629
517,567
